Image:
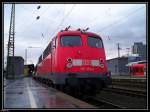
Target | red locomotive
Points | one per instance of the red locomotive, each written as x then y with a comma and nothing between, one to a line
75,59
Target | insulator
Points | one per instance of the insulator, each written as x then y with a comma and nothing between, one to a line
86,29
38,17
39,7
78,29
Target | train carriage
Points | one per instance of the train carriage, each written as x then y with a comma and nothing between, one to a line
137,68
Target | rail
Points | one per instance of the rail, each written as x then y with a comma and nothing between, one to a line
125,91
102,103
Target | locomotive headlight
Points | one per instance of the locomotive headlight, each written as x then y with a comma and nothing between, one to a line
69,59
102,65
101,60
69,65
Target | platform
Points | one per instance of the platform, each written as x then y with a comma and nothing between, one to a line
27,93
131,78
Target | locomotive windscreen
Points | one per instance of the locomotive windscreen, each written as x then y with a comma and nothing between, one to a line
95,42
71,40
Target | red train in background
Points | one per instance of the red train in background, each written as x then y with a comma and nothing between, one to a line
74,59
137,68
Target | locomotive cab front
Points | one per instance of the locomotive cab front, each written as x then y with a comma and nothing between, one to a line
82,59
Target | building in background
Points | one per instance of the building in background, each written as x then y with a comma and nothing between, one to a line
117,66
15,67
140,49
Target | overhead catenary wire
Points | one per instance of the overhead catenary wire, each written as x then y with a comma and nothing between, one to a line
48,22
91,22
28,26
64,19
110,26
35,21
26,19
55,20
120,20
38,17
42,34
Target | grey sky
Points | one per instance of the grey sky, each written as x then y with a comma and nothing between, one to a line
123,23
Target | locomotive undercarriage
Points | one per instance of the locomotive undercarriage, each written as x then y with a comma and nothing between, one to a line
78,85
84,85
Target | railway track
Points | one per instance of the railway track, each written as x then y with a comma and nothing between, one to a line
140,85
127,91
131,87
101,103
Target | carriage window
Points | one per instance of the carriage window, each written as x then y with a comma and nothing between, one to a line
95,42
56,42
142,69
136,70
40,59
71,40
133,70
139,69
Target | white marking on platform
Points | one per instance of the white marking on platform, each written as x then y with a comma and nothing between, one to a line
31,98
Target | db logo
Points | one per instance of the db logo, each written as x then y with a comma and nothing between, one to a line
86,62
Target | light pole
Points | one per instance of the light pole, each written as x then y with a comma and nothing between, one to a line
128,51
26,52
26,56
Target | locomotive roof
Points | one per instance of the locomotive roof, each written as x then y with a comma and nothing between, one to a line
69,32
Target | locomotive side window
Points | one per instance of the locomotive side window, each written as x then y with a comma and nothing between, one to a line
71,40
50,47
95,42
47,50
40,59
56,42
